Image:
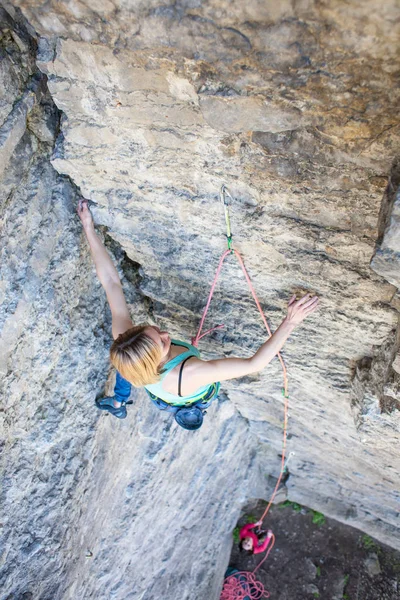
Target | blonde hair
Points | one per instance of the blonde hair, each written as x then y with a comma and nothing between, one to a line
137,357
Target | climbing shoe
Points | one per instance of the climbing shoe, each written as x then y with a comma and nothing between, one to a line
108,405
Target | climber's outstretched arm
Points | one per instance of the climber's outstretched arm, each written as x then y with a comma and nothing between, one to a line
207,372
107,274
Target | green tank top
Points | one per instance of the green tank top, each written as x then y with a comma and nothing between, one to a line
157,389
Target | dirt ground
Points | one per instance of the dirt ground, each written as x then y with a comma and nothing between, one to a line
316,557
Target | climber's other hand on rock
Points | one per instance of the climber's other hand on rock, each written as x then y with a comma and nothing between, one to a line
298,310
84,214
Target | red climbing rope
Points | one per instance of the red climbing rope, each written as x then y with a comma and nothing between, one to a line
244,584
198,337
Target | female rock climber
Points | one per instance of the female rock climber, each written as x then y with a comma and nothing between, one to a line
145,356
251,541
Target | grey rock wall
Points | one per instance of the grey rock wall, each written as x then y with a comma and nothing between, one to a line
52,326
387,256
294,108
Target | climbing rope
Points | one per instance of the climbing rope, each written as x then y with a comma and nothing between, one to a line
243,584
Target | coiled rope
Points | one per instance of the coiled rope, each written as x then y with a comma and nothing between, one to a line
243,584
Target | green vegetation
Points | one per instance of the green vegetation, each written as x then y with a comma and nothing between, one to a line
345,582
316,594
251,519
236,535
318,572
318,518
368,544
296,507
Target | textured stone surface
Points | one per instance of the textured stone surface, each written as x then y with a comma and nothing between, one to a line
80,497
52,326
386,260
372,565
294,107
162,500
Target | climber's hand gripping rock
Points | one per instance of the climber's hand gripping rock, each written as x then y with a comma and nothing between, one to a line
298,310
84,214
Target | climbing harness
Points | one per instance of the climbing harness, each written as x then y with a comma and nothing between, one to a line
243,584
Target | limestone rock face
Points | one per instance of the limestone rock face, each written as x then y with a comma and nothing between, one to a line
294,107
46,342
387,257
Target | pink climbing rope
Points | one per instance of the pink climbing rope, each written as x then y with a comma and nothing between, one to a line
238,588
243,584
198,337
